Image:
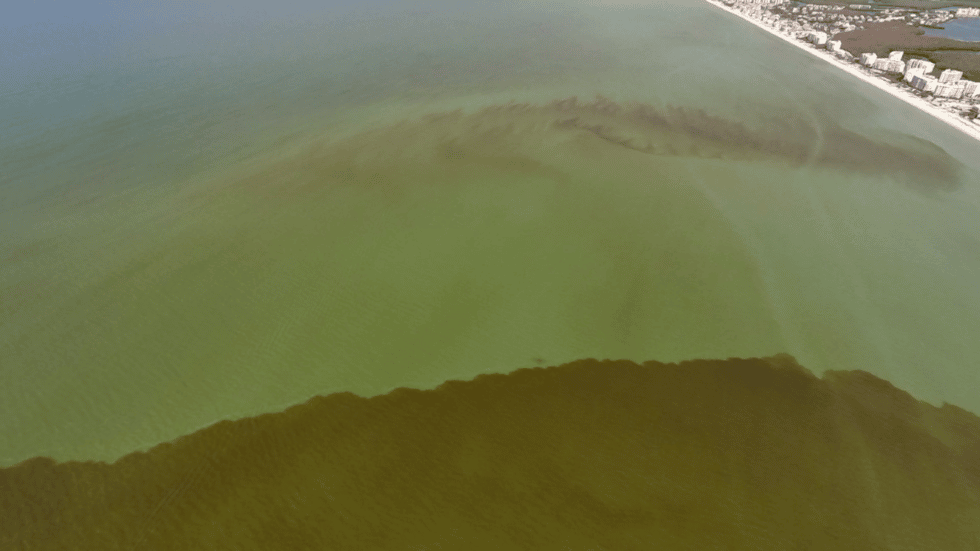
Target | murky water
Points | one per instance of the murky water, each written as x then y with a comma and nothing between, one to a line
230,229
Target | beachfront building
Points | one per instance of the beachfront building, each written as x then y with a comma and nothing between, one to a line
968,12
927,66
818,38
868,59
949,90
913,72
890,65
833,45
925,83
970,89
950,75
895,56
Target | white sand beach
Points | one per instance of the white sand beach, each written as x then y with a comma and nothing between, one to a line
901,92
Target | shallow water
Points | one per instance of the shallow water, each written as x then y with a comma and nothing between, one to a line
229,230
967,29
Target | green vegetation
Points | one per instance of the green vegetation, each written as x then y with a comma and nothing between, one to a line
914,4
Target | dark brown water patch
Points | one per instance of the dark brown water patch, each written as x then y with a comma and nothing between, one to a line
733,454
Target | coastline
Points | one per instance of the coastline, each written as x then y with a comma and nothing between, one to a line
897,91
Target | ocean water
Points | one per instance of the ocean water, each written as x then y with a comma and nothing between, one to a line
196,229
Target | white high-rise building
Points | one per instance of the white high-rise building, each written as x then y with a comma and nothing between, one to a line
970,89
895,56
925,83
833,45
913,72
868,59
917,63
950,75
949,90
890,65
818,38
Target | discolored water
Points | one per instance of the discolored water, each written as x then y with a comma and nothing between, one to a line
396,199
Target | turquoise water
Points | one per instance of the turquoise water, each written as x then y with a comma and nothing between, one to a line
205,232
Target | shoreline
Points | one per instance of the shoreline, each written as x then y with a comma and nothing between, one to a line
898,91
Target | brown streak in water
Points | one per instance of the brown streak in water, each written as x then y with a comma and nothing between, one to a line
441,144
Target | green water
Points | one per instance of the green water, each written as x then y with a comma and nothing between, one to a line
205,246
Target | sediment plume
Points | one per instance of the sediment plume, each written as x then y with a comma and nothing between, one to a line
707,454
686,132
551,138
